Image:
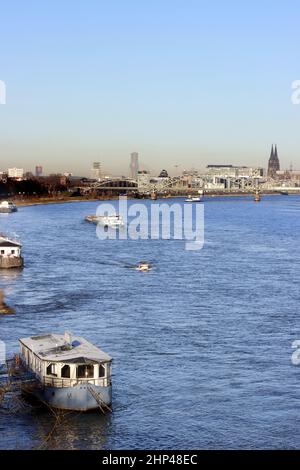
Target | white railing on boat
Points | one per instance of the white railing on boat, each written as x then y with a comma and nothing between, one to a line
58,382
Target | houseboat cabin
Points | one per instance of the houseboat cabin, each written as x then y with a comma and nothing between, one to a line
74,374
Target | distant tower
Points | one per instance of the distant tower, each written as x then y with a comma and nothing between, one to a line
38,171
274,164
96,171
134,165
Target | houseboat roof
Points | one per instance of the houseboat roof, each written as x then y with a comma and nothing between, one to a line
59,348
5,242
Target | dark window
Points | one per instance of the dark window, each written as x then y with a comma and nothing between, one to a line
101,370
12,252
65,371
51,370
2,252
85,371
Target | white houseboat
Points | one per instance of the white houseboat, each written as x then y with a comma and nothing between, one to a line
10,253
7,206
72,373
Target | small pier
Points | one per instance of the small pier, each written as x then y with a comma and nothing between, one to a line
14,379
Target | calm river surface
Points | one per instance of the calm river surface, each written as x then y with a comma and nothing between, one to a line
201,344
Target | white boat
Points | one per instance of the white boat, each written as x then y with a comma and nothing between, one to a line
113,221
194,199
70,372
7,207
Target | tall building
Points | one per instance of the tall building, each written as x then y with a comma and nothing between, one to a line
134,165
274,164
96,171
38,171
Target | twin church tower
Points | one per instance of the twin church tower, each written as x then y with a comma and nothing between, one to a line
274,164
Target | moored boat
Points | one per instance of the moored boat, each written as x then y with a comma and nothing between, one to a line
10,253
7,207
70,372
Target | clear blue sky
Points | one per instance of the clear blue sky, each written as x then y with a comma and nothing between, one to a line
186,82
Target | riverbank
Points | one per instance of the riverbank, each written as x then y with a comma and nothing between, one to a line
24,202
54,200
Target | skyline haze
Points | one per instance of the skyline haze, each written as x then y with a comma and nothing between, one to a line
181,83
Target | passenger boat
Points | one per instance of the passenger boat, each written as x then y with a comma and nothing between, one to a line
10,253
113,221
70,372
7,207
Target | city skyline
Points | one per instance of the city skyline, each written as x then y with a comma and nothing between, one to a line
97,172
171,81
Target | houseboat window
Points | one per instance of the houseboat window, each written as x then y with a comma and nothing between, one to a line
85,371
51,370
2,252
12,252
101,370
65,371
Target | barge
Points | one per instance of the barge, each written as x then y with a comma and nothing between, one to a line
70,372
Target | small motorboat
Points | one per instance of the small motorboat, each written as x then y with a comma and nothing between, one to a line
193,199
144,267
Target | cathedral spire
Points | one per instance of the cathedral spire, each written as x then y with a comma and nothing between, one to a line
274,165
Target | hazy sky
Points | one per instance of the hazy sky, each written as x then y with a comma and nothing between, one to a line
185,82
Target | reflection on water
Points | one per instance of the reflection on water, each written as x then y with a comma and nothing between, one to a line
201,344
71,431
7,276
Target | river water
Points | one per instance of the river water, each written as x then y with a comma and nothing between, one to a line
201,344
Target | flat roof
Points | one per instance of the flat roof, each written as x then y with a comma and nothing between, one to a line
58,348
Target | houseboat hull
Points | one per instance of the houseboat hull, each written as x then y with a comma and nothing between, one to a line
77,398
11,262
